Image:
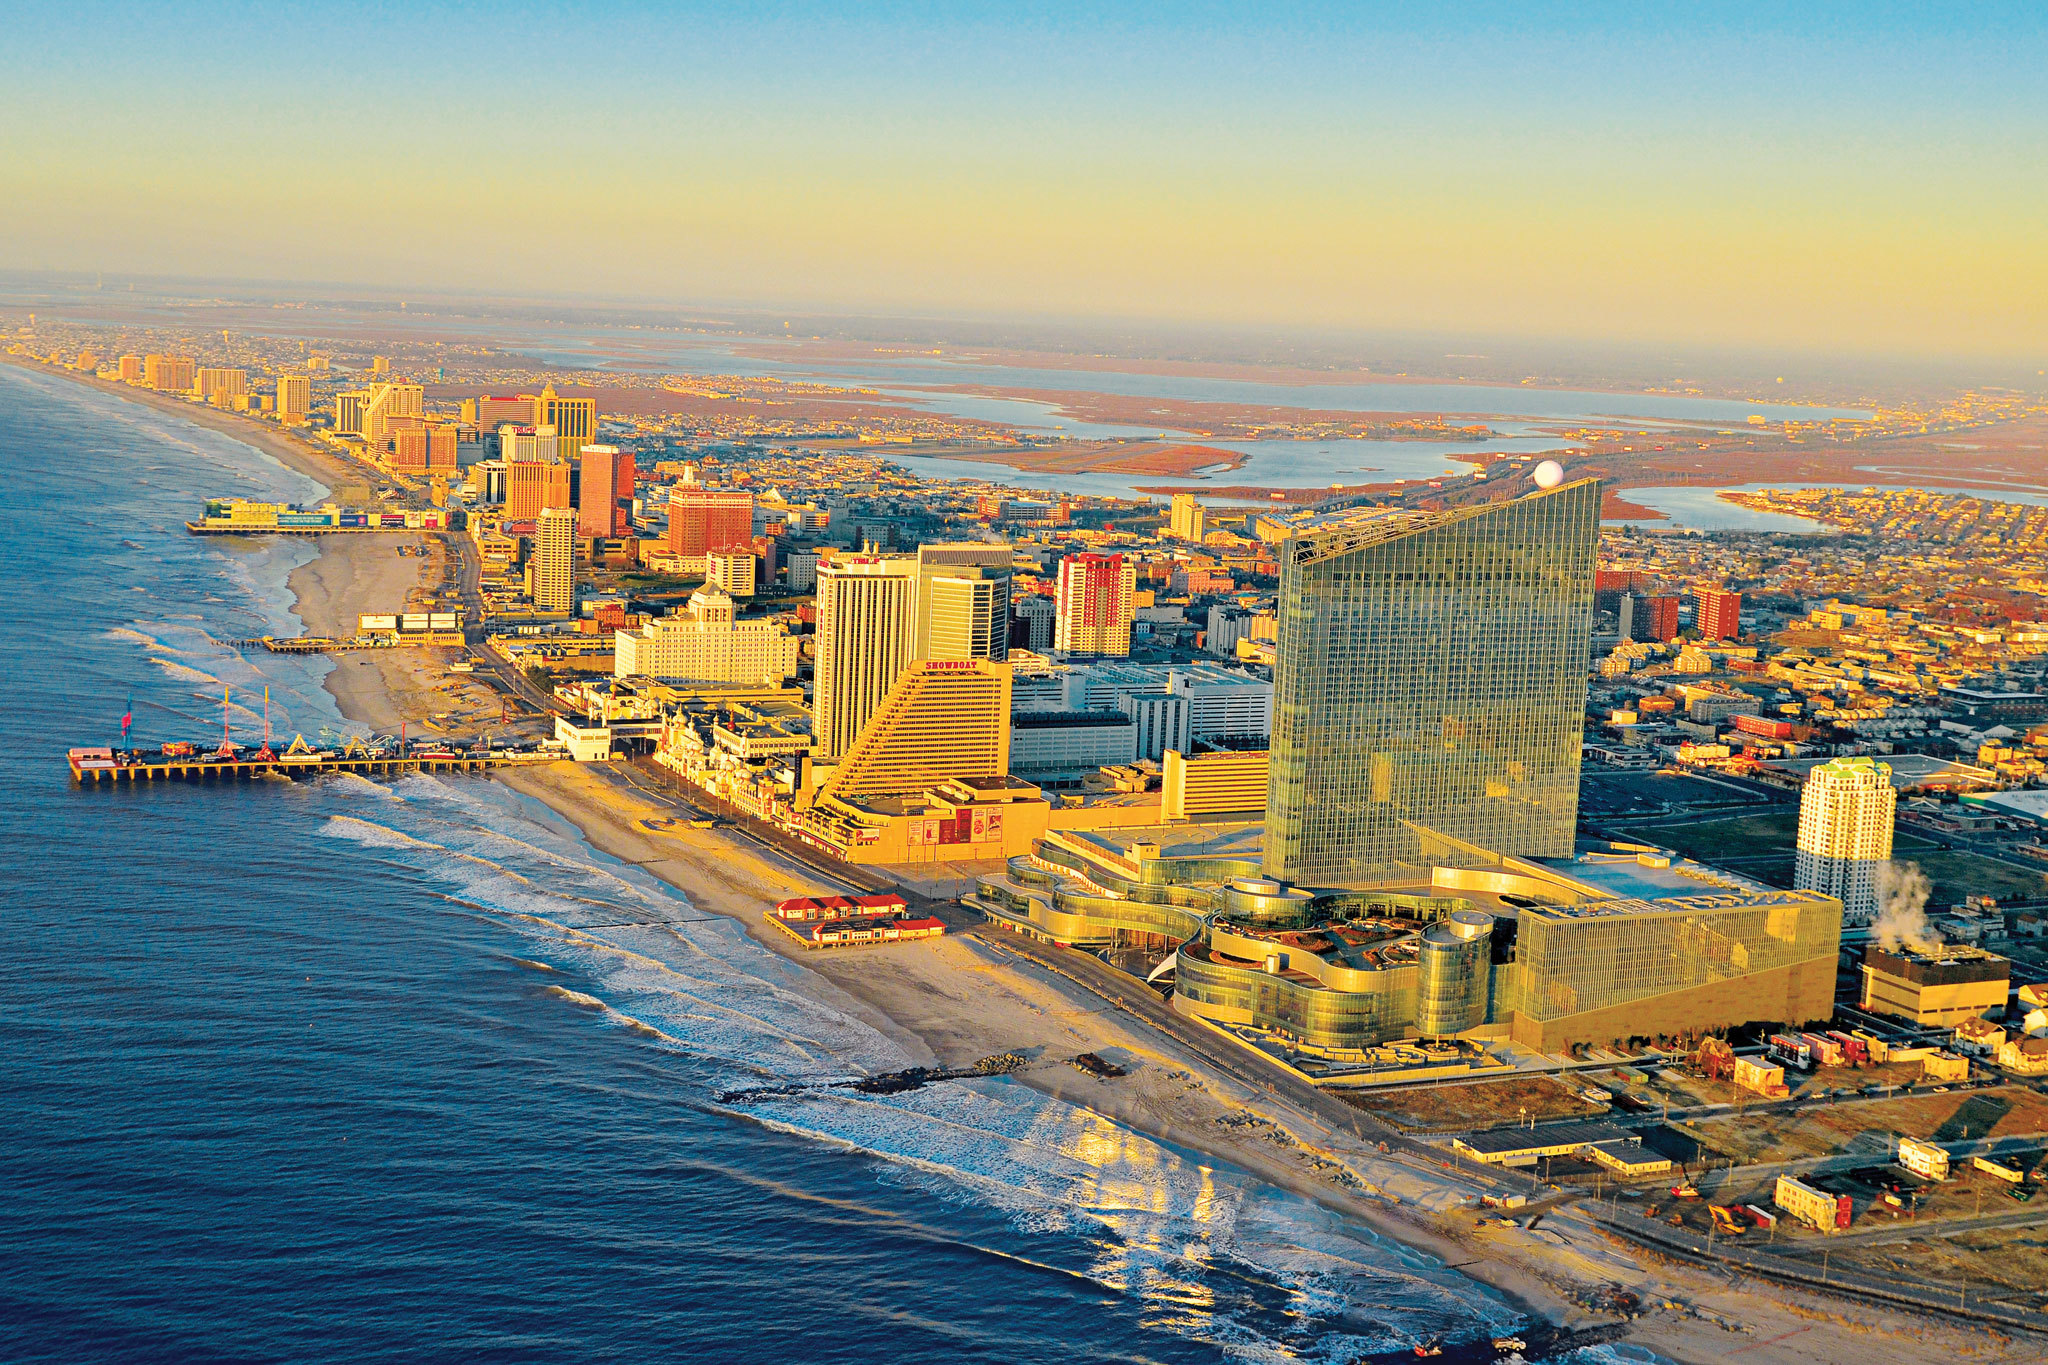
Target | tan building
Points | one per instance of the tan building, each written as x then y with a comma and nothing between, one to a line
943,719
863,638
131,369
1846,815
1213,784
963,602
219,385
554,560
732,571
388,401
167,373
1939,986
294,399
574,421
1189,519
705,642
348,411
534,486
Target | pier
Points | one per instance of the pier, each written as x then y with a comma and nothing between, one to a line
95,767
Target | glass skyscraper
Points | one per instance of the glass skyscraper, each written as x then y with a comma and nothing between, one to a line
1431,680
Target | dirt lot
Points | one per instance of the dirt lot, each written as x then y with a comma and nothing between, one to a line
1483,1104
2004,1112
2015,1258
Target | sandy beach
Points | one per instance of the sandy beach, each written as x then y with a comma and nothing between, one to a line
966,996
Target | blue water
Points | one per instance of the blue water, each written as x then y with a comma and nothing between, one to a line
350,1070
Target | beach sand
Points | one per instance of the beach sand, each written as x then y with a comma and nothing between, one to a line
964,997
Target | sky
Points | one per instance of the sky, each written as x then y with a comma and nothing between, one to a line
1862,178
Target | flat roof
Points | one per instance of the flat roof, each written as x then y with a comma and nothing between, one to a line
1508,1141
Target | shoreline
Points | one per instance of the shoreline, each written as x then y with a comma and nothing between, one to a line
955,999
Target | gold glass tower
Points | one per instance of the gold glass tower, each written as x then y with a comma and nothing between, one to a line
1431,679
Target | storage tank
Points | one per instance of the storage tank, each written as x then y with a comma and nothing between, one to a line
1456,966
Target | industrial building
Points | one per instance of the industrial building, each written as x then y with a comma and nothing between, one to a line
1938,986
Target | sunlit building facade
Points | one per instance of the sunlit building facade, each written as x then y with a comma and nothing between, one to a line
1430,686
1846,816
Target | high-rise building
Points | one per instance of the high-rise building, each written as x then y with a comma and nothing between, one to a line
294,398
701,520
348,412
706,643
1717,613
423,445
1430,685
963,602
554,560
488,414
534,486
574,420
1845,833
865,612
167,373
380,364
1036,616
1189,520
1094,606
387,401
212,383
131,369
942,720
1652,617
606,496
733,571
800,569
536,444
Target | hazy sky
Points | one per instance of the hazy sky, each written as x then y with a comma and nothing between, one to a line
1859,177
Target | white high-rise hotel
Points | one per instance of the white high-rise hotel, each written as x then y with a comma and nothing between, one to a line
1845,833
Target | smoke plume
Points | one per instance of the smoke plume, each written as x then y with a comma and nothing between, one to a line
1902,890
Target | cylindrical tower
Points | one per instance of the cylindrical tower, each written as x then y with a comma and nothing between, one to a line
1450,992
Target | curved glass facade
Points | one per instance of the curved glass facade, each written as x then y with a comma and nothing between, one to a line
1454,967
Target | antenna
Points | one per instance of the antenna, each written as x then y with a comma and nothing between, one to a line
227,744
266,752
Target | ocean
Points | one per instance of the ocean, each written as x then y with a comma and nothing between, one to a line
406,1070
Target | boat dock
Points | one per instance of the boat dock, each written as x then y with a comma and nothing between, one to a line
91,767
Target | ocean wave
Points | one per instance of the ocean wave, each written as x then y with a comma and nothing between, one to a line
1172,1232
370,834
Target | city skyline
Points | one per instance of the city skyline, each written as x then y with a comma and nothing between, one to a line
1843,178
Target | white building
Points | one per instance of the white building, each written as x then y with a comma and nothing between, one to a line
801,569
705,643
731,571
1038,613
1046,745
1845,833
